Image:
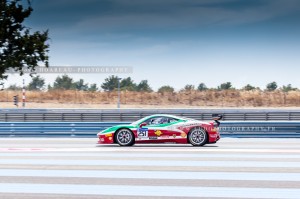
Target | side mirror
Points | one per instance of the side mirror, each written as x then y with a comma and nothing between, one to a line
143,124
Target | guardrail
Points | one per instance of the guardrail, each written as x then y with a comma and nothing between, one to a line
113,115
90,129
284,129
37,129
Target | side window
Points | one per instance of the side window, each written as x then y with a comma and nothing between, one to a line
160,120
171,120
154,121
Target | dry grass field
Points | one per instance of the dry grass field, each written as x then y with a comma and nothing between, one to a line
190,99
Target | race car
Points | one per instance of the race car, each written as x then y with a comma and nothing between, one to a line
163,128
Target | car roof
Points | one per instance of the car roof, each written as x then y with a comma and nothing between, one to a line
173,116
165,115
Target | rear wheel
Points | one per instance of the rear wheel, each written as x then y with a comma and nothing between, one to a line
197,136
124,137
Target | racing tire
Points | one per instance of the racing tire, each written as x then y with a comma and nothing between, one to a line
197,136
124,137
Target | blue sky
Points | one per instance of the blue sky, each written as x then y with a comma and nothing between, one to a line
175,42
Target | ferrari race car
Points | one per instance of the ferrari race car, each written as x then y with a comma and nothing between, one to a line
163,129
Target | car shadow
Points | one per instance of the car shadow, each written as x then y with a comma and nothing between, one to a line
156,146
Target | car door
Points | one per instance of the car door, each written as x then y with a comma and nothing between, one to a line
158,128
169,132
149,129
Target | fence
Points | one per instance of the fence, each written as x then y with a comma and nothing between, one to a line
128,115
90,129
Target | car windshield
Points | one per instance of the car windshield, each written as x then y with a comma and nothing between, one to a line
139,121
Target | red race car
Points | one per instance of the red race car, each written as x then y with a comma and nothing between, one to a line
163,129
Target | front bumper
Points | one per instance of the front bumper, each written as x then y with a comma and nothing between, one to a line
105,138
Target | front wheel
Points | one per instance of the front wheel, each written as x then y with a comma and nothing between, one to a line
124,137
197,136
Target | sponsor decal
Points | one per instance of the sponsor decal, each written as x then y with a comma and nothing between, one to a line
158,133
174,135
192,124
142,132
187,126
142,139
108,135
164,136
183,135
152,137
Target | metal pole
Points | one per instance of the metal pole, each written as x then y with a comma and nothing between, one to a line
119,96
24,96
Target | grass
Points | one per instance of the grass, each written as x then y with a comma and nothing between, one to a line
210,98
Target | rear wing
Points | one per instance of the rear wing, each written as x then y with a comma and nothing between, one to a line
216,118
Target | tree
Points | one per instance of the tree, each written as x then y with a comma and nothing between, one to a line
14,87
288,88
19,48
65,82
202,87
248,87
144,86
110,83
93,87
225,86
128,84
271,86
49,87
166,89
80,85
189,87
37,83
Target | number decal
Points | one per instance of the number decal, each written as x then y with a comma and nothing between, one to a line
142,132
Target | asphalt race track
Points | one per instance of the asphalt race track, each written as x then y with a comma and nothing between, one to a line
73,168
